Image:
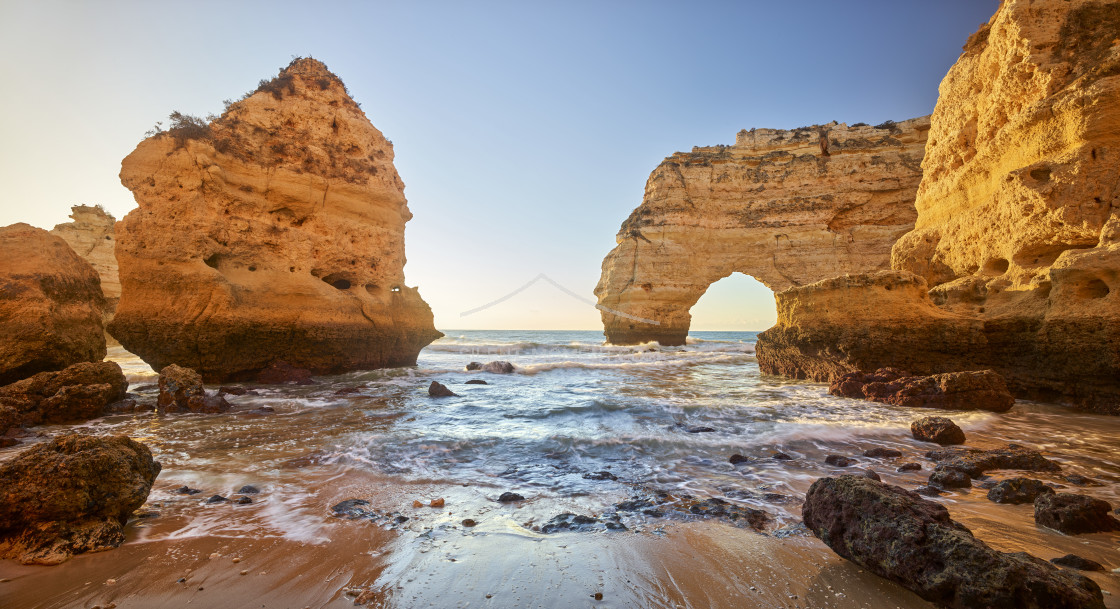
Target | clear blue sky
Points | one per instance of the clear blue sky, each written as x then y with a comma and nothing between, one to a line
524,131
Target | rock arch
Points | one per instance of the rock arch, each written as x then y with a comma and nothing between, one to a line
772,207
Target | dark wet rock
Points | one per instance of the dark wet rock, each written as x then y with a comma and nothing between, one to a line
973,390
975,462
508,497
216,499
348,391
700,429
129,406
262,410
283,373
474,366
224,390
477,382
1074,514
351,508
468,522
248,489
718,508
439,390
947,477
929,491
180,390
1078,480
77,393
882,453
244,501
498,367
575,522
7,442
604,475
986,484
633,505
781,457
940,430
868,473
909,467
186,490
897,535
1018,490
71,495
737,459
1074,561
838,460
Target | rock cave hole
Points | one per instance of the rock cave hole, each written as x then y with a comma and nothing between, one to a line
1095,288
737,303
338,281
1042,174
213,260
996,266
372,289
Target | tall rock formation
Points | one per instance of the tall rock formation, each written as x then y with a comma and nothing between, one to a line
274,232
50,305
1018,233
91,235
786,207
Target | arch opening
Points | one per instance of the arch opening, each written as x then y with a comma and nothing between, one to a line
737,302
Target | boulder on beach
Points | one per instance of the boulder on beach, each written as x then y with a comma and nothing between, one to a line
897,535
940,430
50,305
975,462
77,393
1074,514
974,390
71,495
1018,490
272,232
181,390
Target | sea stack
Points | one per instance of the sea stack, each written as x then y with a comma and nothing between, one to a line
273,232
92,237
50,305
1014,260
786,207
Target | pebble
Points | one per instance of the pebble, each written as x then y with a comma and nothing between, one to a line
437,503
244,500
598,596
215,555
245,572
469,522
110,582
236,559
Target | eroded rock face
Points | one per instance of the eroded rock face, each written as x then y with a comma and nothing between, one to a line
181,390
1018,229
275,232
77,393
50,305
897,535
71,495
92,237
786,207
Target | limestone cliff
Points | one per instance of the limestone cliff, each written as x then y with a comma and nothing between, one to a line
273,232
91,235
786,207
1018,228
50,305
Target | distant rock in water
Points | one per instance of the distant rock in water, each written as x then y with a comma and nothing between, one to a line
476,382
1013,263
899,536
91,235
439,390
78,393
1018,490
775,206
71,495
274,232
50,305
496,367
939,430
978,390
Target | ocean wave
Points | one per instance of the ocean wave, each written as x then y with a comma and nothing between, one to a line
637,363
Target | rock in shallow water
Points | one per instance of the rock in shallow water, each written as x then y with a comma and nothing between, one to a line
71,495
1074,561
897,535
939,430
78,393
974,390
1074,514
180,390
838,460
947,477
439,390
1018,490
882,453
975,462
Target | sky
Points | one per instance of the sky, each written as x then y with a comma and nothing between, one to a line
524,131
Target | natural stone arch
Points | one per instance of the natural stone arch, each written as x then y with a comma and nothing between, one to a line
736,303
772,206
